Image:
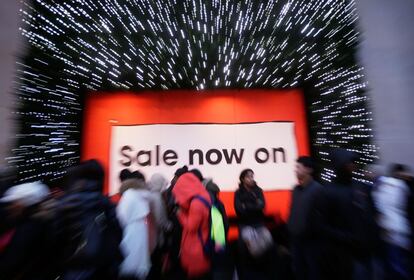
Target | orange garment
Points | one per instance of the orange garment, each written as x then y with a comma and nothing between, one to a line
193,216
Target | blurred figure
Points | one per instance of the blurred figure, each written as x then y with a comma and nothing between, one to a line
126,175
392,201
344,220
177,175
157,185
171,263
158,223
222,266
304,243
373,172
26,241
194,216
214,192
91,231
409,179
255,241
133,213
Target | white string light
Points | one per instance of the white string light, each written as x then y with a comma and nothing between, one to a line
99,45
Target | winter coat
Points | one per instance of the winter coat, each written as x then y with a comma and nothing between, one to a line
29,252
194,218
391,199
302,206
133,211
77,210
332,223
159,220
249,205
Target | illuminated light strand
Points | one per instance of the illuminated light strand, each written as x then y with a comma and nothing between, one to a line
101,45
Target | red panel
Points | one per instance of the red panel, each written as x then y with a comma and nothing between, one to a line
216,106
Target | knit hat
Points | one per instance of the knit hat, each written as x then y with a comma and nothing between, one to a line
157,183
28,193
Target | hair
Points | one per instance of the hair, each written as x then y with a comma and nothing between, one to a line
244,173
181,171
212,188
306,161
124,175
397,167
90,170
137,175
198,174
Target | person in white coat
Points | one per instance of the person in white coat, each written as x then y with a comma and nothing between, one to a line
391,197
133,212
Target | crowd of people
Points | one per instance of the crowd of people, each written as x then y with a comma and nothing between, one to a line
178,228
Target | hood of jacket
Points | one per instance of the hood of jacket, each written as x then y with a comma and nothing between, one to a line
157,183
186,188
340,158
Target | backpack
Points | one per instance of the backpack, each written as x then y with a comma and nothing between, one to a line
216,240
90,246
99,236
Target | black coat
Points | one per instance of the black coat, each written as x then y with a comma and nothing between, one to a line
249,205
32,251
344,220
302,207
77,210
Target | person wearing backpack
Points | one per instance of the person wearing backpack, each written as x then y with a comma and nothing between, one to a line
171,267
194,216
222,266
27,244
90,232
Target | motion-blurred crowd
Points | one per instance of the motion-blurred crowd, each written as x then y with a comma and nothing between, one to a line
178,229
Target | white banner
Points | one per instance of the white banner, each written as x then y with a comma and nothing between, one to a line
219,151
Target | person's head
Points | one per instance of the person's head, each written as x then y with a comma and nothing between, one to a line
212,188
304,168
344,163
399,171
124,174
247,178
157,183
21,197
178,173
87,176
137,175
198,174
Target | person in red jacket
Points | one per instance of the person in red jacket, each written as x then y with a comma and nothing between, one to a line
194,217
